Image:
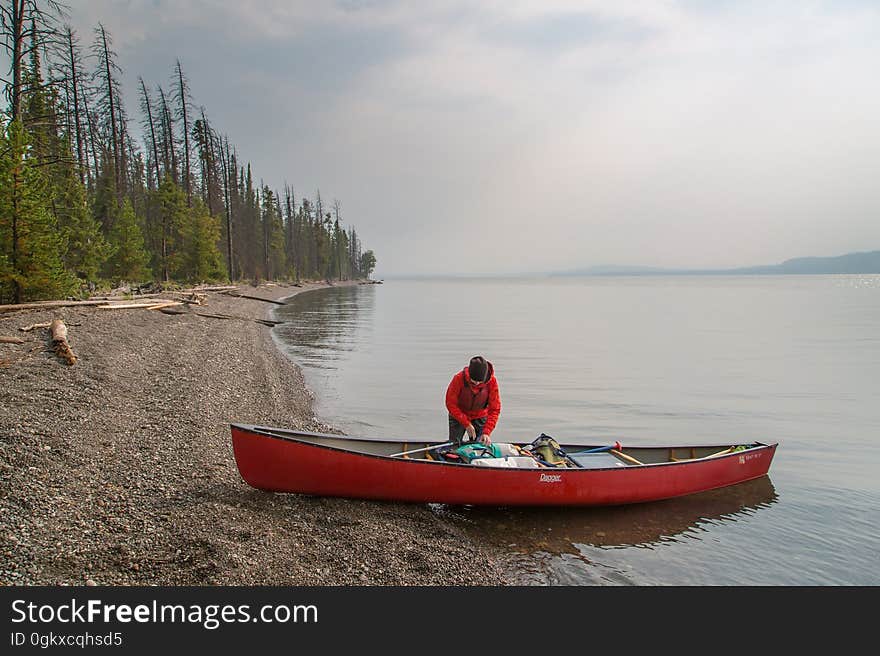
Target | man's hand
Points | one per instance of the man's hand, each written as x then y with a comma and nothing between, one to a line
471,431
485,439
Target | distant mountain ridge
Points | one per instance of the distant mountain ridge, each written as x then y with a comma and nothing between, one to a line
850,263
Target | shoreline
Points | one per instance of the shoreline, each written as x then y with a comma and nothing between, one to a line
118,470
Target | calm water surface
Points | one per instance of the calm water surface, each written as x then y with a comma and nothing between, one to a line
642,360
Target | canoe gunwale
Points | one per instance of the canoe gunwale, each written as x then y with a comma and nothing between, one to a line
290,435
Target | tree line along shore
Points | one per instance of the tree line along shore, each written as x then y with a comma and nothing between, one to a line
87,204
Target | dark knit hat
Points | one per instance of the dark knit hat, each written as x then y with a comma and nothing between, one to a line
478,368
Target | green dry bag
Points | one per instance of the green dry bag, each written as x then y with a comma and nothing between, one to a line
473,450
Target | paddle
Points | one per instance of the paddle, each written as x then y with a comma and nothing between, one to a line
629,459
598,449
613,449
427,448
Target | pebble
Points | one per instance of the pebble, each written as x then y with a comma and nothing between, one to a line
144,409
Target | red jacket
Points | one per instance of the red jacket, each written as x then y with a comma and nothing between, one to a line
465,402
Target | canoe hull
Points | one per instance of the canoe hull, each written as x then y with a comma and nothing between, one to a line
282,463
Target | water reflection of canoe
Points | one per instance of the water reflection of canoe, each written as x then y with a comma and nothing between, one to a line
529,530
282,460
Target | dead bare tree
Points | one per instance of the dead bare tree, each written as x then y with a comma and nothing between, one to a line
108,73
149,125
182,98
167,134
73,66
26,26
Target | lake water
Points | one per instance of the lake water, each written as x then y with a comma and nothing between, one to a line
643,360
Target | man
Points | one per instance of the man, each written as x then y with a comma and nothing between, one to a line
473,402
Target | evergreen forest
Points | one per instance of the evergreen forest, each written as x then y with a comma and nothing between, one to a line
96,195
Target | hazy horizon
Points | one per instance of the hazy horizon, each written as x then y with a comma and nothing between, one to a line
530,136
625,269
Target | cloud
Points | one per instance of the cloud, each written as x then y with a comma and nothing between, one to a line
497,136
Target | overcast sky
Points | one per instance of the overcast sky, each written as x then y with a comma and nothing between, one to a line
504,136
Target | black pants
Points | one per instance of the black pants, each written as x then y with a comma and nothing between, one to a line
457,431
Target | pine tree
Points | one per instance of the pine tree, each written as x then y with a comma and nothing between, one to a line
368,263
108,73
72,171
225,166
250,228
340,245
290,233
276,261
149,125
104,194
30,243
166,137
21,20
305,266
172,214
87,249
197,257
72,71
182,98
130,261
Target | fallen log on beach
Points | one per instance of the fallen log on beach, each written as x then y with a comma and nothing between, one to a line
264,322
59,341
164,304
10,340
38,305
146,305
255,298
188,297
33,326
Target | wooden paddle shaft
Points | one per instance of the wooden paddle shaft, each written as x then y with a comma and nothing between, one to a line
427,448
623,456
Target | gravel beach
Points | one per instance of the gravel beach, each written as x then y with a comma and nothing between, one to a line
118,470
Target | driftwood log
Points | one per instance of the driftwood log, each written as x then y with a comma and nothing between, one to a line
190,298
163,304
264,322
59,341
149,305
38,305
10,340
255,298
34,326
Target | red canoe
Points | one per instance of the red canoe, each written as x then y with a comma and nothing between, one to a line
280,460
